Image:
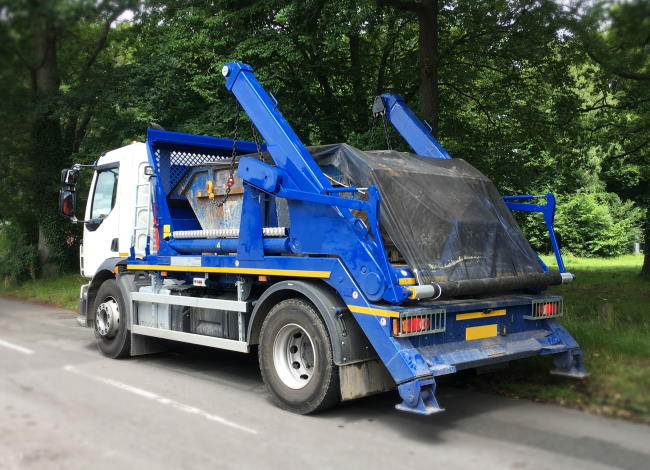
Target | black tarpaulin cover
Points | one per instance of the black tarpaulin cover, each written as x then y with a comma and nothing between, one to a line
445,217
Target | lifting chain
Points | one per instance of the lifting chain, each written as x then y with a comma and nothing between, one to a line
384,120
256,139
372,129
233,159
380,113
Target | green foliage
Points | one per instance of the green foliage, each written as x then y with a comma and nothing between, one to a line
537,96
62,291
17,255
597,224
51,85
62,240
616,114
588,224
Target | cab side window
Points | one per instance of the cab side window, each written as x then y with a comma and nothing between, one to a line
105,193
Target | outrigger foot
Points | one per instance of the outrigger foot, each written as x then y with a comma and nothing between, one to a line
569,364
419,397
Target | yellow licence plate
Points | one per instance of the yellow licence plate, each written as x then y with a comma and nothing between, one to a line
480,332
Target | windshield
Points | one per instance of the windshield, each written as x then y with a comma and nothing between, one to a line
105,193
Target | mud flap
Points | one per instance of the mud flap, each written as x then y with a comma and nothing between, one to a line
142,345
365,378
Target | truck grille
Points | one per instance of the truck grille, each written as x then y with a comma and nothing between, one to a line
545,308
420,323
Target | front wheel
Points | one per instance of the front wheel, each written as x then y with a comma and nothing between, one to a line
113,338
296,358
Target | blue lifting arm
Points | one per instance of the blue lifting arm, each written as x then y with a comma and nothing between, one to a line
283,144
314,204
396,110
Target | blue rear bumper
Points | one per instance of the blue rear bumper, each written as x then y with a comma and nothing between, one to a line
450,357
448,352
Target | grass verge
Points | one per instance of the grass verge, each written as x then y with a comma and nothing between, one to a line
62,291
606,311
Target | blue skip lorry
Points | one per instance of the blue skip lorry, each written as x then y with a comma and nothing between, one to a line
350,272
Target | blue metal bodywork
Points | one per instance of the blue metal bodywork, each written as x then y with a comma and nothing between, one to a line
329,243
548,211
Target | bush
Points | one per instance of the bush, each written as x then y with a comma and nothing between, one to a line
588,224
18,258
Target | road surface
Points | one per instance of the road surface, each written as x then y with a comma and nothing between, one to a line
63,405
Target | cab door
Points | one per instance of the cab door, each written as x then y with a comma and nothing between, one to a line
102,226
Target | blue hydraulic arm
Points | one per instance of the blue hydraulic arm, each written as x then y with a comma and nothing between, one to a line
409,126
314,205
283,144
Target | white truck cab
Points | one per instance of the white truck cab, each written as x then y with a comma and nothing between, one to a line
117,209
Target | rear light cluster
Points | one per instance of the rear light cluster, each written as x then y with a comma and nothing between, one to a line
420,323
545,308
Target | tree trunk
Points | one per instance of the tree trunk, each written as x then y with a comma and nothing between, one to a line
427,14
428,57
44,42
47,155
645,269
358,100
385,54
48,152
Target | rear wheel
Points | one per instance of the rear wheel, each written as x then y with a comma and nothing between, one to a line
296,358
111,331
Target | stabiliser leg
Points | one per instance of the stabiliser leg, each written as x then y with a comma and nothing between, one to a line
569,364
419,396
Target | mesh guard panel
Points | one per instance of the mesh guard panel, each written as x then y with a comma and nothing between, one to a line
173,162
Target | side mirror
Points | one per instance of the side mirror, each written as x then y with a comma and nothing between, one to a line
68,203
69,177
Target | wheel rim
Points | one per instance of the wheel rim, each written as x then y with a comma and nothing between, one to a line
294,356
107,318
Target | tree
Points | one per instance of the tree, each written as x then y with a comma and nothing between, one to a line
504,83
617,40
53,47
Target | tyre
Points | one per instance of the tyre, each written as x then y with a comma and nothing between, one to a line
113,338
296,359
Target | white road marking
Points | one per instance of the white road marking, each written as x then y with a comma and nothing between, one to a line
159,399
15,347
